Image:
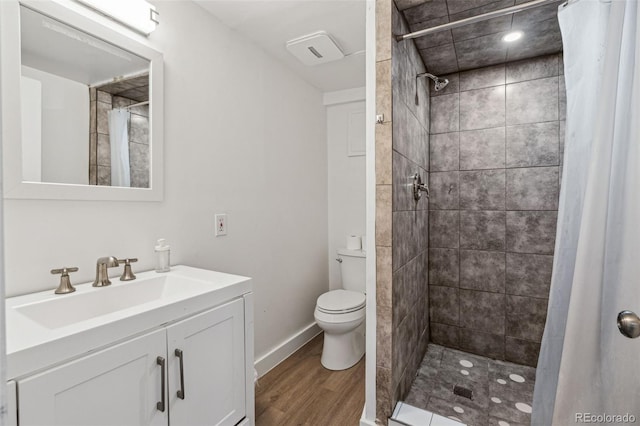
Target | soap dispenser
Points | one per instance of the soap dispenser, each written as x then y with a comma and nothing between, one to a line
162,256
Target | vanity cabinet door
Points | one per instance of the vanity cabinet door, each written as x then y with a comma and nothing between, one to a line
12,404
120,385
213,367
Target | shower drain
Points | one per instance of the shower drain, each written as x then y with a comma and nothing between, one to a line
463,392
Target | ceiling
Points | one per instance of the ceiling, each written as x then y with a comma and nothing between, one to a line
134,88
480,44
271,23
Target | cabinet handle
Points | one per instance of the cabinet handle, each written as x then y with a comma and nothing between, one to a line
161,362
178,353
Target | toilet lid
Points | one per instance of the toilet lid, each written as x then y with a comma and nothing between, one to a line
341,301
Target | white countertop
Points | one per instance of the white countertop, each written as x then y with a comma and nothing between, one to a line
34,345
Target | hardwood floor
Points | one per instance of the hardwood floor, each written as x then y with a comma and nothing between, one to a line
300,391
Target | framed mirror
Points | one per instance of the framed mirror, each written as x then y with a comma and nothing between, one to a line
82,107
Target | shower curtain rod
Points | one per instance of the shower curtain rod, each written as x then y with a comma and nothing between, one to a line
473,19
138,104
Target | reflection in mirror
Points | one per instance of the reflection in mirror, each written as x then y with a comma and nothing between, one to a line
85,107
119,140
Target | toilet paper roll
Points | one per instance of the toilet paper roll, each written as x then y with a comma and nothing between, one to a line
354,242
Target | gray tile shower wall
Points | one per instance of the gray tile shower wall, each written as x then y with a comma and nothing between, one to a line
384,212
410,218
495,165
402,224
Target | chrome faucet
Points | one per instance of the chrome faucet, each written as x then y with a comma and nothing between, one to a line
102,278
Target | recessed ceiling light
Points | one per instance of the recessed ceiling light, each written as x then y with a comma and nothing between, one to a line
512,36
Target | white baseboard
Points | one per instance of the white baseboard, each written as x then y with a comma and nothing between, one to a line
363,420
281,352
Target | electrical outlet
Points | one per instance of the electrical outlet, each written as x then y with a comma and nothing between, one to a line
221,224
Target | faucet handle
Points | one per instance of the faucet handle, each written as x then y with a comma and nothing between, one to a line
64,270
65,283
127,275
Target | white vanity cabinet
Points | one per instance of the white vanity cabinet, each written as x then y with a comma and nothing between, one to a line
211,380
116,386
164,349
12,404
137,382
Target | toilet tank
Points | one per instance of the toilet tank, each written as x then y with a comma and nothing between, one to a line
352,269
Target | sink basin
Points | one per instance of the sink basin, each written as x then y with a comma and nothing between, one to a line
91,302
44,329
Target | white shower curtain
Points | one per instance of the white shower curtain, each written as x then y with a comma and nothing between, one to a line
119,141
585,364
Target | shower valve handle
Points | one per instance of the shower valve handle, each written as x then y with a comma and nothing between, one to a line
419,187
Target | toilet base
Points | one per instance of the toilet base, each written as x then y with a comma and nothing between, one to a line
342,351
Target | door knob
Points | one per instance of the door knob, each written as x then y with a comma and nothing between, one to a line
629,324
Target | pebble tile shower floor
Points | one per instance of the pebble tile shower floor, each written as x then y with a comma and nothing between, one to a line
501,391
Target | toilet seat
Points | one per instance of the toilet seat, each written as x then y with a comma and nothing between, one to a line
341,302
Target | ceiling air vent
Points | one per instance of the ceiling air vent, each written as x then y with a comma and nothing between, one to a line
315,49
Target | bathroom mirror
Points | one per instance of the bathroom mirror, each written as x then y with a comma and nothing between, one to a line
81,107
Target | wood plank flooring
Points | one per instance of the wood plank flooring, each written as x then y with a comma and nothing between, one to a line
300,391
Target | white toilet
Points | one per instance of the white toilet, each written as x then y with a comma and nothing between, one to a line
340,313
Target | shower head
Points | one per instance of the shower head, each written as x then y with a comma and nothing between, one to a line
438,83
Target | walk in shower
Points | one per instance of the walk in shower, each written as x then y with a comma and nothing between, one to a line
463,276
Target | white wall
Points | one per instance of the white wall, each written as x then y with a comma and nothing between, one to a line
31,113
244,136
65,127
346,179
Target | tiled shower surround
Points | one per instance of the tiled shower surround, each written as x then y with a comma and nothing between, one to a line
402,149
469,268
495,166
